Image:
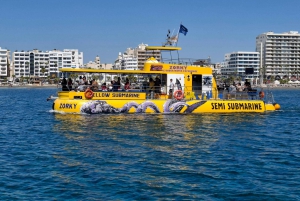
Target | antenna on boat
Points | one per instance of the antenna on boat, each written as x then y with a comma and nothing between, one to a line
171,39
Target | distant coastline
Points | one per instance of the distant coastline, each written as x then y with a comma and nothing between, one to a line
271,86
31,86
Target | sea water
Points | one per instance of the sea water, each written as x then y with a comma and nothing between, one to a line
52,156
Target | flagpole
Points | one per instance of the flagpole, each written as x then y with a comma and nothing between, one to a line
177,42
178,35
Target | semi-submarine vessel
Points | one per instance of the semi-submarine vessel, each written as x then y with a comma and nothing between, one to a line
172,86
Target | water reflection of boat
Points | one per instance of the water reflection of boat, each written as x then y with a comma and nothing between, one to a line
194,91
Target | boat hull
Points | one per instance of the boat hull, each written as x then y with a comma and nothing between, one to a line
160,106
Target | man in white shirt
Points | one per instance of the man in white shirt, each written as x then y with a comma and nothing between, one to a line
80,81
171,88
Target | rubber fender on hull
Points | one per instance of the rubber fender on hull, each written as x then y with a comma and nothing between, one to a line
53,106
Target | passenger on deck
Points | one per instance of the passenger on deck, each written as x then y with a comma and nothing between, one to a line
145,85
239,87
80,81
70,83
157,85
117,84
85,82
110,87
151,85
64,84
127,85
171,88
232,89
247,86
103,87
95,86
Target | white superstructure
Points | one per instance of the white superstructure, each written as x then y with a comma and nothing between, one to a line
280,53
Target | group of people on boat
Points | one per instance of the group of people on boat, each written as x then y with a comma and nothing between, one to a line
67,84
152,86
81,84
237,87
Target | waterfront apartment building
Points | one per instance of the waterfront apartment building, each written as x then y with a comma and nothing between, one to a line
134,58
280,54
37,63
97,64
129,63
142,55
239,64
126,61
4,63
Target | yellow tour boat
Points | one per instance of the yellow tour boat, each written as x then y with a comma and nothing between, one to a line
160,87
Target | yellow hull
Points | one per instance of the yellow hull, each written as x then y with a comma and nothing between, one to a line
160,106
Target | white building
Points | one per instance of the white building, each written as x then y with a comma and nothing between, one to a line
4,63
134,59
238,63
129,63
126,61
217,69
97,64
142,54
42,64
280,53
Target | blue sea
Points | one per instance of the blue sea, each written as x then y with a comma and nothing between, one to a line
52,156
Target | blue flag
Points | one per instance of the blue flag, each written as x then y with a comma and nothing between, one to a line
183,29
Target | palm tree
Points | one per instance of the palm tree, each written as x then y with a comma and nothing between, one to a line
73,76
96,77
272,78
56,80
43,70
132,78
56,70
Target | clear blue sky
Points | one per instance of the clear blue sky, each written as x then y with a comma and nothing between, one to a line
104,28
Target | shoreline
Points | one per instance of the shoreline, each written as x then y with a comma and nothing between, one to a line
59,86
31,86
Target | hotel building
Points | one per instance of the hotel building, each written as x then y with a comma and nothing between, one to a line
237,63
280,54
96,64
134,59
4,63
42,64
142,55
